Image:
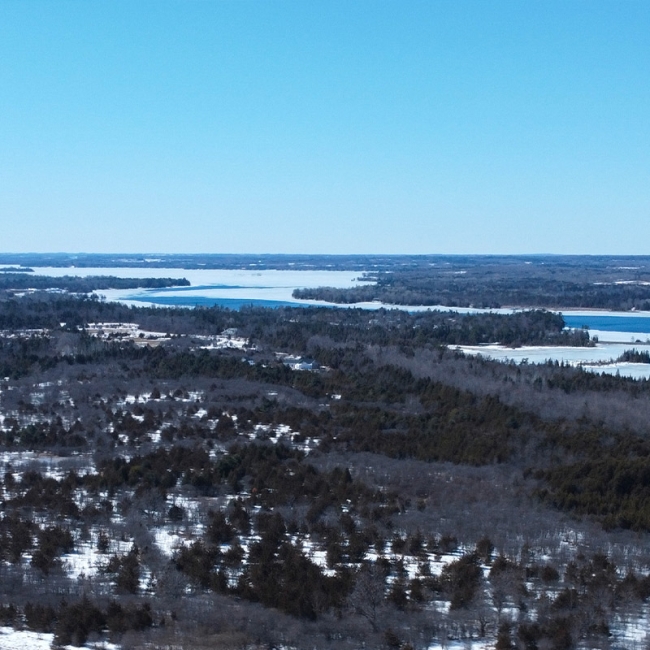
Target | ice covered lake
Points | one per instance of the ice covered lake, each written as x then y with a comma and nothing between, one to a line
629,331
234,288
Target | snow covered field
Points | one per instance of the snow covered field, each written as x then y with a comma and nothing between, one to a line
11,639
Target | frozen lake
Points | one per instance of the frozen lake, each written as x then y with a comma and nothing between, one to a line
234,288
600,359
616,332
231,288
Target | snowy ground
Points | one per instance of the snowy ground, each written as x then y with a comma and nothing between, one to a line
11,639
46,463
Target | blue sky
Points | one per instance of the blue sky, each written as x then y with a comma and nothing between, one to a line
325,127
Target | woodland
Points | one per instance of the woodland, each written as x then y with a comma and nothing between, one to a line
178,484
552,282
74,284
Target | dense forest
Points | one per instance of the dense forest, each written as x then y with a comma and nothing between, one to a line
172,478
292,328
11,281
549,282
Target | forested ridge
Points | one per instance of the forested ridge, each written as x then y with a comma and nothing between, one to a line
287,327
10,281
554,282
182,483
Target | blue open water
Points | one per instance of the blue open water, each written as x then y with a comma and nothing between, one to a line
610,323
200,301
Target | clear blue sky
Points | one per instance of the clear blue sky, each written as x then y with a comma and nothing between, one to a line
325,127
